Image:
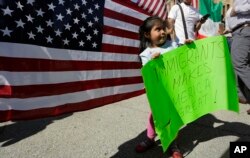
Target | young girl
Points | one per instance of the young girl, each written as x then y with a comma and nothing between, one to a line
154,41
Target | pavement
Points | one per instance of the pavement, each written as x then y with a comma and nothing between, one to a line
112,131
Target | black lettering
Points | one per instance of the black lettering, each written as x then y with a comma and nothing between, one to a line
171,65
182,60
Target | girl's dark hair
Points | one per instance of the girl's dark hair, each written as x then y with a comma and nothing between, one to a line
146,28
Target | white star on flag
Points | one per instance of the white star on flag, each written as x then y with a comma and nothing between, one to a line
51,6
29,18
66,42
60,17
6,31
7,11
20,23
19,5
31,35
49,39
40,12
39,29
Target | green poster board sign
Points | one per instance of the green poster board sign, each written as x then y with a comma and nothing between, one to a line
189,82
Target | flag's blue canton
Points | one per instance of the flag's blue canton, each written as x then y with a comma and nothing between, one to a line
69,24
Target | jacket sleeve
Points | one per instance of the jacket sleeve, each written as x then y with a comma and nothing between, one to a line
242,6
145,57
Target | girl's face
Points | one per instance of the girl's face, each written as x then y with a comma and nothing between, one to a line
157,35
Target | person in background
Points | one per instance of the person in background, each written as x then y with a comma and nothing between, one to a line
154,41
193,20
239,24
228,33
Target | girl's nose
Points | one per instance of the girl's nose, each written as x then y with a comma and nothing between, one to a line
163,32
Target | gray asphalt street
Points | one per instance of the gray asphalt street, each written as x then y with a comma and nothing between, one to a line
112,131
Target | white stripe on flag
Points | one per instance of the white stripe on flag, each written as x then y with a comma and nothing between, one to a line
53,101
109,39
124,10
162,12
195,3
36,78
152,6
120,25
141,3
39,52
146,5
158,7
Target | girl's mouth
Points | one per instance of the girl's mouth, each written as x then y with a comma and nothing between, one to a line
162,40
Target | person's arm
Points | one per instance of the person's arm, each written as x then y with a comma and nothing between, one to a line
202,20
240,11
171,19
170,29
227,30
240,7
198,24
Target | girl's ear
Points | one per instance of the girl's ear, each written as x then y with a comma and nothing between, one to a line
147,35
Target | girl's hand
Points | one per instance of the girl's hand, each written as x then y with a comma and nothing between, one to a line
188,41
155,55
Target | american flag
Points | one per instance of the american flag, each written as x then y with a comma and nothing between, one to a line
60,56
154,7
195,3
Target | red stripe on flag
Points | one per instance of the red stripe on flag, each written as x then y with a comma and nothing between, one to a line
67,108
195,3
5,90
42,65
160,9
63,88
144,3
121,33
147,8
120,49
156,4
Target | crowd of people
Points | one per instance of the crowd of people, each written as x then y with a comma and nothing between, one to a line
158,36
